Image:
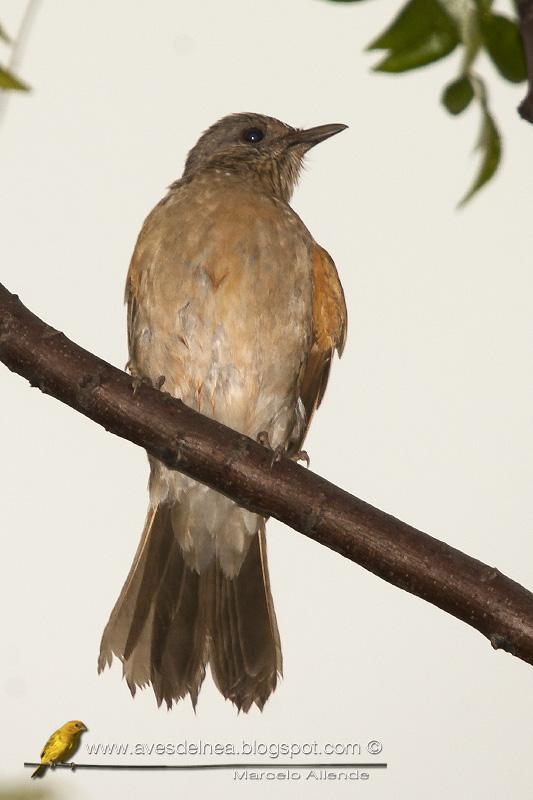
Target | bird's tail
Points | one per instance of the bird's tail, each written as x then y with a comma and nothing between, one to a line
40,771
170,622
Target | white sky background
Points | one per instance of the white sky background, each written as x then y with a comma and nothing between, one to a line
428,415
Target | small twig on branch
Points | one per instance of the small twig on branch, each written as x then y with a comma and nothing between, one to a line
525,22
235,465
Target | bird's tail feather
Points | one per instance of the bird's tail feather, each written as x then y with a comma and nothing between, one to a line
40,771
245,649
170,621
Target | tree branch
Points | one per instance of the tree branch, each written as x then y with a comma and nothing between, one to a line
479,595
525,22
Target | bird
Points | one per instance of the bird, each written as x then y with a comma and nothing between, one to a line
61,745
235,309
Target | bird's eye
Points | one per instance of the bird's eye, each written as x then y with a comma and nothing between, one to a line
253,135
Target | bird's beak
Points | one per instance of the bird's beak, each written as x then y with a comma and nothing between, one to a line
313,136
85,728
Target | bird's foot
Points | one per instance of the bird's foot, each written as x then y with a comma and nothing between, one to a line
136,383
264,439
301,455
277,452
52,764
72,766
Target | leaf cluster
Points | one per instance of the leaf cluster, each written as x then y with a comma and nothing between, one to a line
425,31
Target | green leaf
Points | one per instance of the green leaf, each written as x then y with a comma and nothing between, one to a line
484,6
438,45
4,36
421,33
504,45
10,81
458,95
417,21
489,143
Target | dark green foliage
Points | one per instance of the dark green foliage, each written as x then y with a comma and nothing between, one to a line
490,147
458,95
10,81
425,31
4,36
421,33
502,40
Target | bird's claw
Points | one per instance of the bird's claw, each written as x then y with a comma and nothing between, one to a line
277,452
302,455
264,439
136,383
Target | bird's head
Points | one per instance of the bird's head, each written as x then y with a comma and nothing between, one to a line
259,147
74,727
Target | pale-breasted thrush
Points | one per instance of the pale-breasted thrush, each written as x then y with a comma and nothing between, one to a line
232,301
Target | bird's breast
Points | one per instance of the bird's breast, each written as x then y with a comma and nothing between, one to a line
222,295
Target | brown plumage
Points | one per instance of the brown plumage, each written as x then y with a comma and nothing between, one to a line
232,302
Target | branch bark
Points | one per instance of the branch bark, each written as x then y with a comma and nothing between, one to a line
525,22
235,465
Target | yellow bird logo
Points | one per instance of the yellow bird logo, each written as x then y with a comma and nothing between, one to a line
61,745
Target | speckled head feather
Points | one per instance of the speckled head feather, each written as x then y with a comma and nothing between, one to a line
262,148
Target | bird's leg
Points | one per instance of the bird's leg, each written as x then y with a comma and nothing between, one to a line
72,766
52,764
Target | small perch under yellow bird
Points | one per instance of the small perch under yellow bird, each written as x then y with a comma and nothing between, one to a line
61,745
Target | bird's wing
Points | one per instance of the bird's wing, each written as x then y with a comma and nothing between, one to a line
329,331
52,748
136,272
130,296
